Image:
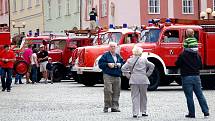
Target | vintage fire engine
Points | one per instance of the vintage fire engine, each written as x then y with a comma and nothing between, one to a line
20,66
162,44
62,50
86,66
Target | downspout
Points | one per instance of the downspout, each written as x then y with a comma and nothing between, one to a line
9,14
43,15
199,10
80,14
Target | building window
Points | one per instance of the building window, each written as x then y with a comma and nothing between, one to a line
59,8
49,11
213,5
77,5
154,6
21,4
29,4
14,5
104,8
89,8
187,6
1,9
67,7
37,2
6,6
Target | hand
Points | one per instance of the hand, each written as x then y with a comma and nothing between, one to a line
118,64
111,65
6,60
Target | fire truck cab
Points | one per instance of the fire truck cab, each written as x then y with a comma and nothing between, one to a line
86,67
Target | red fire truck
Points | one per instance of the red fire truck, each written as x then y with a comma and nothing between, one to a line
63,51
86,66
162,43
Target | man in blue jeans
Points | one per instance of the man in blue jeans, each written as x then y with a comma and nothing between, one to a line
189,62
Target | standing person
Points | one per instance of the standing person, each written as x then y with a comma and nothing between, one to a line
27,55
8,58
110,63
93,16
43,60
49,68
189,63
140,69
190,43
34,65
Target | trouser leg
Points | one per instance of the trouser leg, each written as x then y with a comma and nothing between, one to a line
9,79
116,92
135,96
3,78
188,91
107,91
201,98
143,97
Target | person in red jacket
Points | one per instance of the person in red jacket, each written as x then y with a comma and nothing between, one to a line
7,57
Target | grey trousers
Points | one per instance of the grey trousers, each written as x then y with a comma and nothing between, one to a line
112,86
139,98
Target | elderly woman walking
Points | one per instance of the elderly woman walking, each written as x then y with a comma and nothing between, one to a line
138,69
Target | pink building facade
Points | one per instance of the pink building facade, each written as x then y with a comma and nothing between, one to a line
4,13
138,12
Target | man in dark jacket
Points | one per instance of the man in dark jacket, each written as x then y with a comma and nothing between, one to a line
110,63
190,63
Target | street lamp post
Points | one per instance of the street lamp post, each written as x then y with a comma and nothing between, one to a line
207,13
18,27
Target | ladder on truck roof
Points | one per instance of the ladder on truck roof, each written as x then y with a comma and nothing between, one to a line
207,25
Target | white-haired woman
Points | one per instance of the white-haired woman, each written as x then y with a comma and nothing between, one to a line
140,69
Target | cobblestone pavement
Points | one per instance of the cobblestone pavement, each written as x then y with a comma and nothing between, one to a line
69,101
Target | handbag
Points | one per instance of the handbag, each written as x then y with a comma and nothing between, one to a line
129,74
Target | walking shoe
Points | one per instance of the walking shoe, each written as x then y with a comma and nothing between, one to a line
206,115
135,116
8,90
115,110
3,90
21,83
190,116
144,114
105,109
15,83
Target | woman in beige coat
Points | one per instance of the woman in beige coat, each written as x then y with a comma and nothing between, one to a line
140,69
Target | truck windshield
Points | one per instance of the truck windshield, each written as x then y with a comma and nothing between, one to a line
58,44
112,37
150,35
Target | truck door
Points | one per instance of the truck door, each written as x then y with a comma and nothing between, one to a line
170,46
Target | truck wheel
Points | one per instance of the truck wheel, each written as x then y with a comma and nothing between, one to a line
154,80
124,83
88,79
208,82
75,77
21,67
58,72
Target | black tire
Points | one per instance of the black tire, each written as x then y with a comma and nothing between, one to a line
58,72
208,82
154,80
124,83
21,67
75,76
88,79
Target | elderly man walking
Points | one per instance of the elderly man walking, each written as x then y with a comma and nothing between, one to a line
140,69
111,63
